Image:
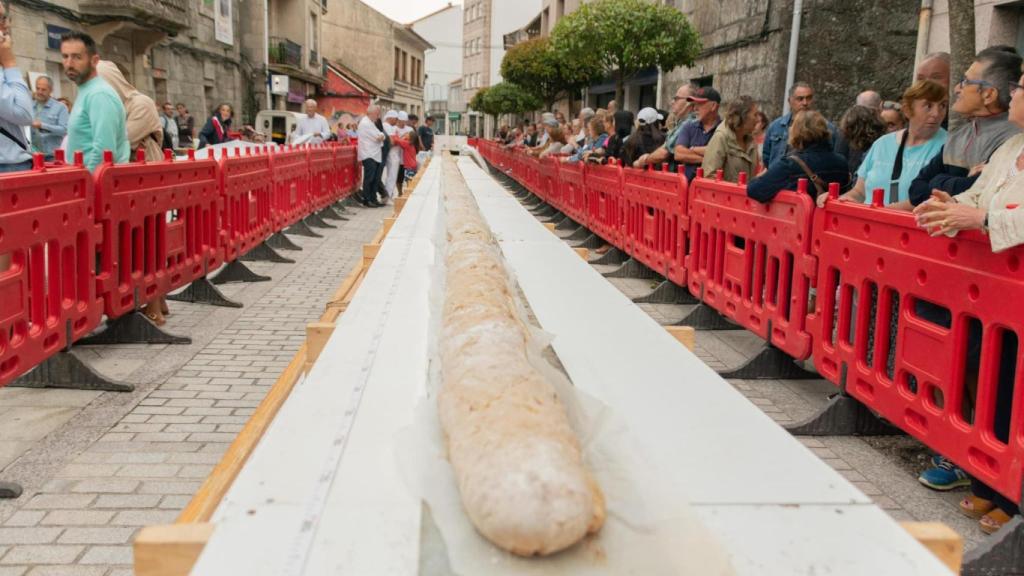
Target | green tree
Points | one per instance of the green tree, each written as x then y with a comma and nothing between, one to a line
537,68
623,37
509,98
477,101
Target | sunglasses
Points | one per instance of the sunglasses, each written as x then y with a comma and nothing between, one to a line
890,105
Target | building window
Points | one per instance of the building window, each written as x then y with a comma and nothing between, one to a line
398,63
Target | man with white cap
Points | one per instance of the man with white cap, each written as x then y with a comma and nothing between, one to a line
394,161
312,124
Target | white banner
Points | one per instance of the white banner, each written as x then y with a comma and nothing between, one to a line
222,22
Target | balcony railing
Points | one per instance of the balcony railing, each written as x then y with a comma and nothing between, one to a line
285,52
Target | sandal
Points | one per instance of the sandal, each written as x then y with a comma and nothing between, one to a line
991,523
975,507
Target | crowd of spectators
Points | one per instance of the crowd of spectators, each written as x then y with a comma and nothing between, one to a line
893,151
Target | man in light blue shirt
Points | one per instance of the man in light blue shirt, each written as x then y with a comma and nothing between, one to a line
51,120
15,106
776,137
97,122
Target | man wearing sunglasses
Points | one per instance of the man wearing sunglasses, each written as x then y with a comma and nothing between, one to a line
982,99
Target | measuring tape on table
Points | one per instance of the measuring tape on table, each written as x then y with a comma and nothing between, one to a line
298,554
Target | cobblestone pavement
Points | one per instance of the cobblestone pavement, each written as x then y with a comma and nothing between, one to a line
96,467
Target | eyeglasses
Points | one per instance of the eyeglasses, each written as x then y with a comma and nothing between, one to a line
890,105
1014,87
677,98
979,83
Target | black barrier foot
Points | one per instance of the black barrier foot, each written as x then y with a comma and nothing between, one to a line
770,364
300,228
9,490
704,317
567,224
580,234
667,293
316,221
330,214
1001,554
201,291
533,203
264,253
545,211
281,242
632,268
132,328
592,242
351,201
844,416
235,271
342,207
554,219
613,257
65,370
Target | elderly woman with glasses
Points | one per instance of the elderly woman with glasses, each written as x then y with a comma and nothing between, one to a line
894,160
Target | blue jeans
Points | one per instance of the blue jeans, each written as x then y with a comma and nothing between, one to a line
16,167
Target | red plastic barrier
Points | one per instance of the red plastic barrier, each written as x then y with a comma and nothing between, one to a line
875,262
572,181
47,246
159,226
347,173
321,177
657,222
246,188
604,202
547,182
751,261
290,169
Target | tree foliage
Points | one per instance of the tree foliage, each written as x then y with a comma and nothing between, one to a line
623,37
477,101
509,98
535,66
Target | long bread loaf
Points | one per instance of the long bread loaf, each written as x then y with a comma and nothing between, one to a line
516,458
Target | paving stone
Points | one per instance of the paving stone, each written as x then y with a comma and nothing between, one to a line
26,535
108,555
12,570
129,501
77,518
59,501
104,535
25,518
75,570
48,554
143,517
149,471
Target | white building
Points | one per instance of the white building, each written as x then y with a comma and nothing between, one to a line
443,64
485,24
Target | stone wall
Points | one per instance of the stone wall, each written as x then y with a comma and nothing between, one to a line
845,46
360,38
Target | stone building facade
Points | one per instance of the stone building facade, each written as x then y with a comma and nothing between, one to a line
383,52
845,46
173,50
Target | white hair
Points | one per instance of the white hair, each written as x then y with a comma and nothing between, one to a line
310,101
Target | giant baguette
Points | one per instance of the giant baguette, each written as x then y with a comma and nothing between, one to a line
516,458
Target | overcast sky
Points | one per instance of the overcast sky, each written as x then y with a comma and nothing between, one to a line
408,10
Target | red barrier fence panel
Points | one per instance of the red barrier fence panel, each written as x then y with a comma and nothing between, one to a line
752,262
321,177
47,248
246,188
290,170
533,178
657,222
605,209
926,332
159,226
572,181
547,181
348,170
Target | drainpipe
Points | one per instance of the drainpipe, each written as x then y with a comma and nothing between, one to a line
794,45
924,30
657,91
266,53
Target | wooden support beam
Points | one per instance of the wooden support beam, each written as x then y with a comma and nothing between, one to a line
369,253
686,335
388,223
317,334
584,253
399,204
550,226
170,550
941,540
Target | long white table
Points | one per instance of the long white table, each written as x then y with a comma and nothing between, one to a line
305,505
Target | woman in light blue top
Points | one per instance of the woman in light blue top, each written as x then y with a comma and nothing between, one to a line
894,160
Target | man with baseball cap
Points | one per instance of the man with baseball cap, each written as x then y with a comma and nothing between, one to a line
693,138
